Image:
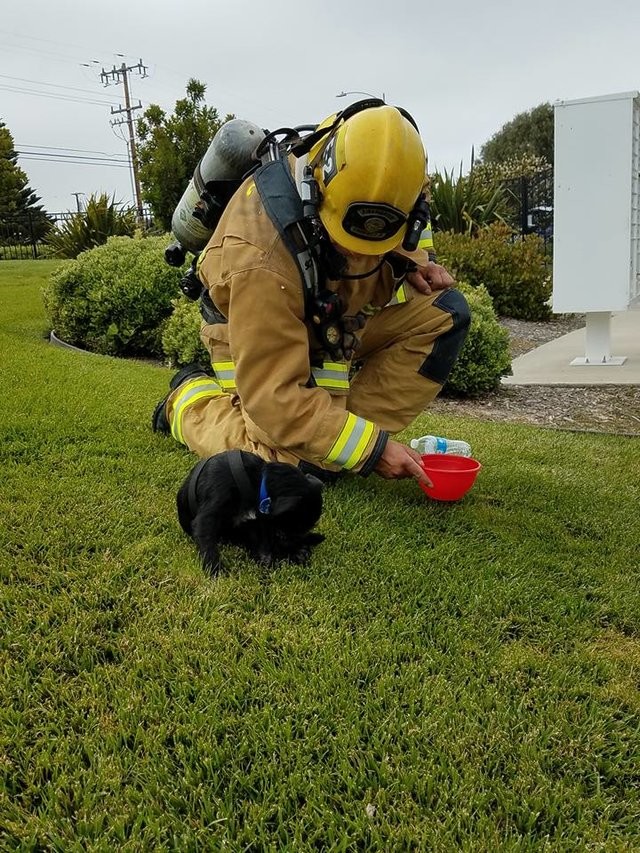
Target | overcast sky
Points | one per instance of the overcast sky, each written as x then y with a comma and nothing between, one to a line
462,69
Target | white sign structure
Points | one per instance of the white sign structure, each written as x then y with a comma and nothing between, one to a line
596,230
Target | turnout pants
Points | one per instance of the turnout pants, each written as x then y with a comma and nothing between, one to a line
406,352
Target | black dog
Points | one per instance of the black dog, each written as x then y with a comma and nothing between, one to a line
269,508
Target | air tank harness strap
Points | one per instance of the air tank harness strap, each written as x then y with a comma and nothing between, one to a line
285,208
283,205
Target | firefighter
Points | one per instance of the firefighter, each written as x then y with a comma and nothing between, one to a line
324,387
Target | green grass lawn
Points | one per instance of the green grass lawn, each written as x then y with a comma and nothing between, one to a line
439,677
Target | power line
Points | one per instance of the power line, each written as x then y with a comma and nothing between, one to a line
56,56
57,148
69,157
53,41
54,96
49,41
54,85
60,57
74,162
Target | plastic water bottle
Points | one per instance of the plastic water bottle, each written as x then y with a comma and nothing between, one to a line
436,444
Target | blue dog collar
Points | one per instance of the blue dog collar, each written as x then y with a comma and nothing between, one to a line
264,504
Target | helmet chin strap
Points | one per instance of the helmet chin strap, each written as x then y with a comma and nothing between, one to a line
335,263
354,276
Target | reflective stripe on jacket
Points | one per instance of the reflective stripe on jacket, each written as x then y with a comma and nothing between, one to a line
426,239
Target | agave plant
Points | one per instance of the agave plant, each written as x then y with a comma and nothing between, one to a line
102,218
464,204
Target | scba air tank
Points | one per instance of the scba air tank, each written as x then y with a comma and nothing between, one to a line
229,157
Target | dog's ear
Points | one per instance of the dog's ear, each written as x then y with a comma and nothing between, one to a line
205,530
287,504
314,481
182,504
313,538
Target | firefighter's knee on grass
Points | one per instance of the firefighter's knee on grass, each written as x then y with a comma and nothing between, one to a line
438,364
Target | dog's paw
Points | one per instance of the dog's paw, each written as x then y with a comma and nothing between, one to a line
211,562
265,559
301,553
301,556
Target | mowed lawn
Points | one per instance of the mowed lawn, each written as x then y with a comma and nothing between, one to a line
439,677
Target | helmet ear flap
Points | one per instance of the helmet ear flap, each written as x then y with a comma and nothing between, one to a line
311,194
416,223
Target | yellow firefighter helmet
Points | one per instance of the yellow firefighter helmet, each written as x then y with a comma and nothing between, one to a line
370,171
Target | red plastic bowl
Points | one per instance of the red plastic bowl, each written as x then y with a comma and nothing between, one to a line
452,476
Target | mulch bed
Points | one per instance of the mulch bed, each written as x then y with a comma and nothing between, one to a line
591,408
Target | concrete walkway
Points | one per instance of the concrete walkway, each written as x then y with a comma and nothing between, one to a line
550,364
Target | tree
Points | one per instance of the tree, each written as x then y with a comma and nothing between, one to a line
171,146
529,133
17,199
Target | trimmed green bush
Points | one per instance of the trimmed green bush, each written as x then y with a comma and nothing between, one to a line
485,355
514,272
181,341
483,360
120,299
113,299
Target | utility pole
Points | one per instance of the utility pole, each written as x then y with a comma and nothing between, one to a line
115,76
77,195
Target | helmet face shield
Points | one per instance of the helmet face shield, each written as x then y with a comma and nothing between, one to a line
370,173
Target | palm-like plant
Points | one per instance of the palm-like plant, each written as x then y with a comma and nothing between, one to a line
102,218
464,204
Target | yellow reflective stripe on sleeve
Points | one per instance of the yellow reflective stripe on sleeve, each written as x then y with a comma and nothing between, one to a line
198,389
426,238
332,374
351,443
399,296
225,372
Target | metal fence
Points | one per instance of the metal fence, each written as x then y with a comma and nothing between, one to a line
20,237
24,237
531,203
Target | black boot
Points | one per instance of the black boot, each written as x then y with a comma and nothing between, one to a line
159,422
